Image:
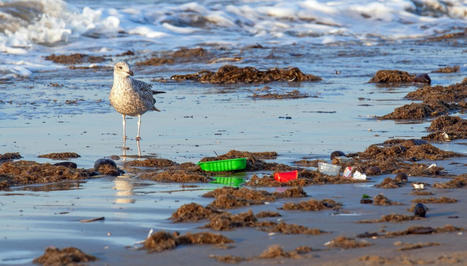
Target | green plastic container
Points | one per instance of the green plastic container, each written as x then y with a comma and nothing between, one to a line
229,181
223,165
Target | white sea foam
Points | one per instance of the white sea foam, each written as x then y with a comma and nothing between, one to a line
55,23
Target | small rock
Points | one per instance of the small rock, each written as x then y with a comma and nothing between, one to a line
423,78
366,201
374,170
420,210
401,178
107,167
337,154
67,164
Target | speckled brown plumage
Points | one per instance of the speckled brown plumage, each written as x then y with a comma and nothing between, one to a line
130,96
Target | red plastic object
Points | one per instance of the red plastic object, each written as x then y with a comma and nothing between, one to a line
286,176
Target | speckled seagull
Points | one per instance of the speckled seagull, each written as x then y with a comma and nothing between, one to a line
130,96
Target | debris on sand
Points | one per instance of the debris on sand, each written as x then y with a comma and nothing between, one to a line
389,183
455,93
346,243
276,251
229,74
435,200
381,200
448,69
8,156
411,246
417,230
192,212
392,218
421,193
397,76
295,94
67,164
75,59
288,229
458,182
107,167
265,214
14,173
65,256
306,178
418,111
151,162
437,100
255,160
413,230
293,192
228,259
447,128
312,205
160,241
406,149
60,155
229,197
227,221
183,173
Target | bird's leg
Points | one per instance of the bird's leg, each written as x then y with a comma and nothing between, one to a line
138,137
139,148
124,130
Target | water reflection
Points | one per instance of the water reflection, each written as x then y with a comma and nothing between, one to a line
124,190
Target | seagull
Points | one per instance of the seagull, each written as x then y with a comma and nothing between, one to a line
131,97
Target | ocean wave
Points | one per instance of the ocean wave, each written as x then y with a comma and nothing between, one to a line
28,28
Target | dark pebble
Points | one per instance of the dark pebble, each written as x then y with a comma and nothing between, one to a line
107,167
337,154
366,201
420,210
423,78
67,164
374,170
401,178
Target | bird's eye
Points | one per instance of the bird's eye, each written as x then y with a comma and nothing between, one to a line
120,67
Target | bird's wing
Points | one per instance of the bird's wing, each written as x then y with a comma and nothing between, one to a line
144,89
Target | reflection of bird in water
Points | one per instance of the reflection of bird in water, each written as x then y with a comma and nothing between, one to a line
131,97
124,189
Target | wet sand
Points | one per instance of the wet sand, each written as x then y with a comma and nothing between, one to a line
202,120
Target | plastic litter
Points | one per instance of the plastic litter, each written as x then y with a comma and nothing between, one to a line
347,172
418,186
224,165
358,176
328,169
286,176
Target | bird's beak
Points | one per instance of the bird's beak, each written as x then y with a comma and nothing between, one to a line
130,73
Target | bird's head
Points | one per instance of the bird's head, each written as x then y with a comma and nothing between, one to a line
122,69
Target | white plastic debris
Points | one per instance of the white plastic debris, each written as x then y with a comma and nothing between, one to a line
432,165
328,169
358,176
445,136
347,172
419,186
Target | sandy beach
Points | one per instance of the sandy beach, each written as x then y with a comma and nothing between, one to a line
283,103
